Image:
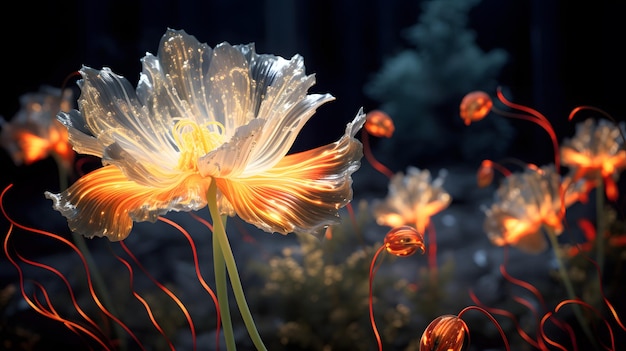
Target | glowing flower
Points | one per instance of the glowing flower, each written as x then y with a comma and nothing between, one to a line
199,115
412,199
596,153
33,133
525,202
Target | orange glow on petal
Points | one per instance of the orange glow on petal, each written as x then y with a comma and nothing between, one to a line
392,219
514,229
475,106
302,193
33,147
574,158
379,124
105,203
524,235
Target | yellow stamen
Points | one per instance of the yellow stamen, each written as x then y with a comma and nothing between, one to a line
195,140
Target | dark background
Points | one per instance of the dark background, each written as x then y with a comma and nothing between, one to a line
561,54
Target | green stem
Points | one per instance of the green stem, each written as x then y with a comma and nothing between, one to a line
569,287
219,232
219,266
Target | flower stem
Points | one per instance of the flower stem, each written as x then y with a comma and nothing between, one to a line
569,287
222,294
227,258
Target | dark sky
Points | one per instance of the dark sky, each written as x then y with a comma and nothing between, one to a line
562,54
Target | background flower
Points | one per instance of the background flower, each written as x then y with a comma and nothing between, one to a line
596,153
412,199
34,133
524,203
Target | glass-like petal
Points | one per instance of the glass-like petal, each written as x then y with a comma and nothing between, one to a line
412,199
526,202
231,158
105,203
114,115
596,150
303,192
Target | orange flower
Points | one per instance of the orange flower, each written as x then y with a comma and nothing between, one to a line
199,115
412,200
525,202
34,133
596,153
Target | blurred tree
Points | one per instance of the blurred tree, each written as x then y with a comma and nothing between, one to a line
421,89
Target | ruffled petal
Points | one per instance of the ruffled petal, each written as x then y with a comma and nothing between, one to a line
105,203
503,230
303,192
197,82
112,113
231,158
279,134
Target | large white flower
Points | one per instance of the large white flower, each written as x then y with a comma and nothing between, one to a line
199,115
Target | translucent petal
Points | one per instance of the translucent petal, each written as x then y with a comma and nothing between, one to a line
524,204
105,203
230,159
114,115
412,199
303,192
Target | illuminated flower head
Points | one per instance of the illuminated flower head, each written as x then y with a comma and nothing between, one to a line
199,115
525,202
412,199
596,152
34,133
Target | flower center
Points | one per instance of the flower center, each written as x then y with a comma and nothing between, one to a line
195,140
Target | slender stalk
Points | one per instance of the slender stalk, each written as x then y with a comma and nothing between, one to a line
219,234
219,266
569,287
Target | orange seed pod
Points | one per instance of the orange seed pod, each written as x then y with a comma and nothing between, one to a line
404,241
445,333
379,124
475,106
